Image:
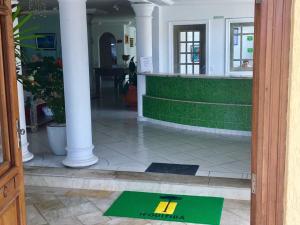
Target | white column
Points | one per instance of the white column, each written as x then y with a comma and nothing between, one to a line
73,25
143,12
26,155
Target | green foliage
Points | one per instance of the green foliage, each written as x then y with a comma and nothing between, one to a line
128,79
45,79
46,82
20,36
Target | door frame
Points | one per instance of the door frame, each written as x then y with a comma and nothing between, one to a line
101,48
270,103
270,99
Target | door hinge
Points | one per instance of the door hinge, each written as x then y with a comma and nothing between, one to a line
253,183
20,132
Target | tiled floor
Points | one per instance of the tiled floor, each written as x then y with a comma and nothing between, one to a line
48,206
123,144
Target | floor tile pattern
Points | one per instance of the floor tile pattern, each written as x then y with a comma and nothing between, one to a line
123,144
49,206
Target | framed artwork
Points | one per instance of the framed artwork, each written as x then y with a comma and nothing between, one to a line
131,42
126,39
46,41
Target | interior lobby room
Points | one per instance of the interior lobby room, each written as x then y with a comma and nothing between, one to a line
201,117
124,101
189,115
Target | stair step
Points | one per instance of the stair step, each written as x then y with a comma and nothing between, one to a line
238,189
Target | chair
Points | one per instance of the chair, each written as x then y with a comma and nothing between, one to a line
108,73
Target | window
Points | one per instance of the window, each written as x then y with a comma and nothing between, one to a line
240,44
189,49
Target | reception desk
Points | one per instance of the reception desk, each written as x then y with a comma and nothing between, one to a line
201,101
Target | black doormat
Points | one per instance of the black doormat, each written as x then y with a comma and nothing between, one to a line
173,169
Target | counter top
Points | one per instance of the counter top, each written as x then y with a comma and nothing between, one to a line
200,76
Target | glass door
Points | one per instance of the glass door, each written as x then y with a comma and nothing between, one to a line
4,126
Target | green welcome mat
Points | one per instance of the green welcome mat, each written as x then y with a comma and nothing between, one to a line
179,208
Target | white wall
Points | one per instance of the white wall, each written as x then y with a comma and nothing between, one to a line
113,26
214,14
130,30
156,26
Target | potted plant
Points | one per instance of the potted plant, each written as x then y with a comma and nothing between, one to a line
46,82
128,85
125,59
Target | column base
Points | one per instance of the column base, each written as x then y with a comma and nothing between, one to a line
77,158
141,119
26,154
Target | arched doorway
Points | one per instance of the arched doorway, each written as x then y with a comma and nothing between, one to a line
108,50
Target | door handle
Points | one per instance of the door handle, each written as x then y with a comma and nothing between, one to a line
20,132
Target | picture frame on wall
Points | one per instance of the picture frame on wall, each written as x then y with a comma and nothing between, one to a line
46,41
131,42
126,39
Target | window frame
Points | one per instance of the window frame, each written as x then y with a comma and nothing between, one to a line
228,71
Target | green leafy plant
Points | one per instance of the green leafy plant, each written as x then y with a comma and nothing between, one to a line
44,79
46,82
21,34
128,79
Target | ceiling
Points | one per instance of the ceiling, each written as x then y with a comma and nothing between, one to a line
97,7
122,8
197,2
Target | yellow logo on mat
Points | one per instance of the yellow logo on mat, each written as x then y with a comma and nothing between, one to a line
166,208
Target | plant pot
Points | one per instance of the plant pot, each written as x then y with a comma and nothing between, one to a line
57,138
131,97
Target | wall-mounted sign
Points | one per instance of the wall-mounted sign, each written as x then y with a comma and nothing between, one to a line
250,38
146,65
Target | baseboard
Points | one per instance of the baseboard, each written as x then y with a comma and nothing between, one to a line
196,128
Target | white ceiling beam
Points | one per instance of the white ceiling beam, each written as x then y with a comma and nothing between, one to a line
155,2
198,2
162,2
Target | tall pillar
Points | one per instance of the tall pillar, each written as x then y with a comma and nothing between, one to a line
74,39
26,154
143,12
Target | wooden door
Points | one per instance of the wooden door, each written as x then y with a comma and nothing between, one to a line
270,98
108,50
12,207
